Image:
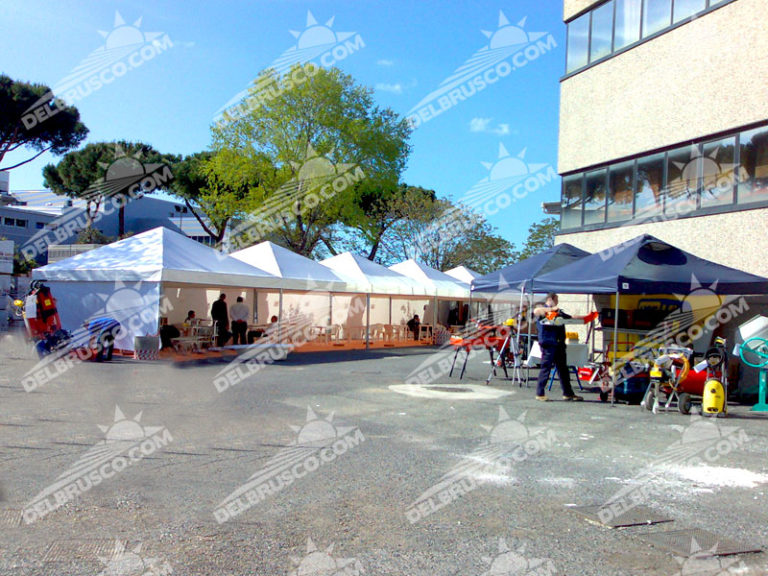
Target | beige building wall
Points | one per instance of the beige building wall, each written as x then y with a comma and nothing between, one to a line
704,77
573,7
735,239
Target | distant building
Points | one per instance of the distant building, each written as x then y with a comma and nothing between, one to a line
35,219
664,126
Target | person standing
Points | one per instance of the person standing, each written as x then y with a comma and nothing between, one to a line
553,353
239,314
221,317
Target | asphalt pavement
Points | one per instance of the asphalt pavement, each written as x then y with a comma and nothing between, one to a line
359,463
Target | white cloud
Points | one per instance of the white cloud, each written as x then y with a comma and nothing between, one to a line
396,88
479,124
483,125
385,62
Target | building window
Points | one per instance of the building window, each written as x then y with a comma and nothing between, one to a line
699,178
627,29
657,15
615,25
687,8
9,221
578,43
620,193
601,36
682,183
649,198
753,166
39,225
595,191
21,223
718,172
571,202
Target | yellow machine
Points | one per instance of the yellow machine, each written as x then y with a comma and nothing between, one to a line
713,401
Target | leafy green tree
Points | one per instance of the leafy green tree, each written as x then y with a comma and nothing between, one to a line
91,235
32,118
373,209
541,235
444,235
108,170
321,133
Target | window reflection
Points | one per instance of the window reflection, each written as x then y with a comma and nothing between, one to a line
687,8
717,172
650,181
602,32
753,168
627,23
571,202
656,15
595,197
620,198
682,180
578,43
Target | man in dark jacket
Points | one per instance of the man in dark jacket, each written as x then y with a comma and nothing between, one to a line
553,354
221,317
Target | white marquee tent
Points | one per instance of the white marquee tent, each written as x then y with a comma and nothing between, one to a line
463,274
137,280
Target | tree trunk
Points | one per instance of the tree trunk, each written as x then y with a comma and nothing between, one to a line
121,220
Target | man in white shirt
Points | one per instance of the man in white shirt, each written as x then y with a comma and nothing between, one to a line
239,314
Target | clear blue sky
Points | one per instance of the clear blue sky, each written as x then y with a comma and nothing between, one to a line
407,51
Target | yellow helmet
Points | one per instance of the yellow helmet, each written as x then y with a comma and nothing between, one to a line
510,322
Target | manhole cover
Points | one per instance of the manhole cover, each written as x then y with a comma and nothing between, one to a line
694,541
449,389
605,515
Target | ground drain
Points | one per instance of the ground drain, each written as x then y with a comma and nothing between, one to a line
604,515
449,389
66,550
694,541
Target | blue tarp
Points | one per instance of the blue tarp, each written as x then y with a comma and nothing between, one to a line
512,277
647,265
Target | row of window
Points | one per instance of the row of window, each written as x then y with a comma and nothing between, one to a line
732,170
618,24
20,223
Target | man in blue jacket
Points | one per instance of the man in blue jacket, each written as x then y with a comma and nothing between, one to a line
549,320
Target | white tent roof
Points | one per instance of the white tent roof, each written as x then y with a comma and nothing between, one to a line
463,274
363,275
158,255
297,271
437,282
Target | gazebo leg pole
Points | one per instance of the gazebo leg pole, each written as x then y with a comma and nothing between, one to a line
280,317
615,350
367,318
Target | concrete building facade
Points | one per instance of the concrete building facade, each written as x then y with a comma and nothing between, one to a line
664,126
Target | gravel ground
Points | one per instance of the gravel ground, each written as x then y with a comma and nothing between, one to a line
348,471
